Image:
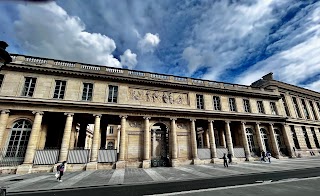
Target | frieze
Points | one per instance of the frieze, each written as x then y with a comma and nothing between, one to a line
135,124
182,133
181,126
154,96
134,132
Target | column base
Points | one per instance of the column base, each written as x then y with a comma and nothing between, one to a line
234,160
92,166
216,160
174,162
120,165
146,164
24,169
250,159
196,161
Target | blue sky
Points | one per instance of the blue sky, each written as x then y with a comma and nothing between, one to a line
236,41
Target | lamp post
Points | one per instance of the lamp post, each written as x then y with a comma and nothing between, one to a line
4,55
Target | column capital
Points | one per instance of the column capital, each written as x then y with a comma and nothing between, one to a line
193,119
147,117
37,112
271,124
123,116
227,121
69,114
243,122
97,115
172,118
210,120
258,123
5,111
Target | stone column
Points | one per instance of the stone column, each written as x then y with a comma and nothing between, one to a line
118,140
213,147
317,130
3,123
34,136
229,138
260,142
43,137
194,141
32,144
274,141
223,138
66,138
245,141
207,138
174,143
154,140
287,136
147,138
121,163
72,137
93,165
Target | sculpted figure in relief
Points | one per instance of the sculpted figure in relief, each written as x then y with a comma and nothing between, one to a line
165,97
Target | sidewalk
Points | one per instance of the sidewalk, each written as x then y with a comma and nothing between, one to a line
47,181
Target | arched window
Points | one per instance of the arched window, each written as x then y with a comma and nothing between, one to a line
249,133
277,133
19,138
110,146
264,138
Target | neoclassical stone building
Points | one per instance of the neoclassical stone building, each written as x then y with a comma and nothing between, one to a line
142,119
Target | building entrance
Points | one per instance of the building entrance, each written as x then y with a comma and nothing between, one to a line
160,145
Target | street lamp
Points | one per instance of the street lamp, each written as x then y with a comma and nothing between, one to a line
4,55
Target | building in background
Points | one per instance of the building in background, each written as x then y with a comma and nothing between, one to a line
98,117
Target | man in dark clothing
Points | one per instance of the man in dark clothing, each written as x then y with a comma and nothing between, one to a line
263,156
60,170
225,160
230,157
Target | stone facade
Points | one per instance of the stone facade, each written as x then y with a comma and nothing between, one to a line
142,119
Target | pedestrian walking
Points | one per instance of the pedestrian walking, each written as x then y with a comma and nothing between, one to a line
269,156
60,170
263,156
225,160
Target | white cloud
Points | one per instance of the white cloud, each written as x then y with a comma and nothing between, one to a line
129,59
47,30
149,42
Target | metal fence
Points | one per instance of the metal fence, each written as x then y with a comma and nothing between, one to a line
107,156
204,153
78,156
12,156
46,157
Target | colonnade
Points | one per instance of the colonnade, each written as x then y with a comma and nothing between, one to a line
67,137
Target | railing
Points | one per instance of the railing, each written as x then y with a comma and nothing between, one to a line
90,67
204,153
13,57
36,60
135,73
197,81
180,79
78,156
65,64
221,151
11,156
158,76
113,70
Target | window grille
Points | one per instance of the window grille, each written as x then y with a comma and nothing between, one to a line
216,103
246,105
59,89
29,86
113,94
87,92
260,107
232,104
200,101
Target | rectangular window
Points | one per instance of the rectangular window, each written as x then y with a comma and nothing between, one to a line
1,79
232,104
304,108
87,92
113,94
296,107
260,107
59,89
246,105
285,104
294,137
273,108
29,86
199,101
216,103
313,111
111,130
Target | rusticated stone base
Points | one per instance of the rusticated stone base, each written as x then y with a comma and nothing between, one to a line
92,166
24,169
120,165
216,160
174,162
146,164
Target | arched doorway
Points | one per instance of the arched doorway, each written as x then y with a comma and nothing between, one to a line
265,139
18,140
160,145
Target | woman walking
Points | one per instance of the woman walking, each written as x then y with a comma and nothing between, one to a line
60,169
